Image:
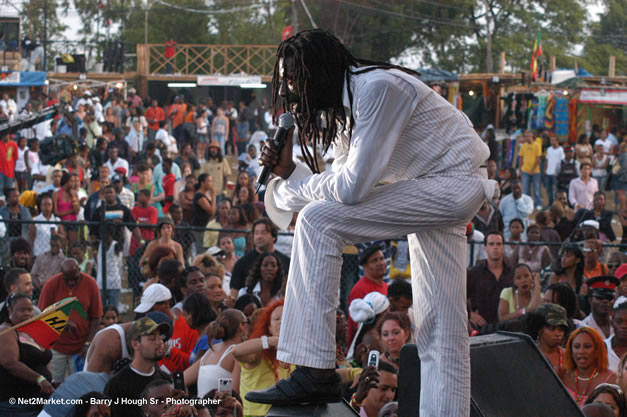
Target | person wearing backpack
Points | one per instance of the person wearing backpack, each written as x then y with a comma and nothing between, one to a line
569,169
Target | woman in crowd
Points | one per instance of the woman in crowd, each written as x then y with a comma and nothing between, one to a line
181,184
187,329
202,132
146,182
265,278
516,229
248,304
537,257
612,396
585,364
570,268
394,331
550,334
150,265
110,315
239,222
509,175
219,129
524,297
23,363
604,217
562,294
85,263
244,195
186,199
231,328
204,207
600,162
225,242
243,181
583,150
216,293
66,204
165,233
257,357
39,234
252,212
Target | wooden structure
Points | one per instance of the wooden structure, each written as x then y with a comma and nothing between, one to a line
192,60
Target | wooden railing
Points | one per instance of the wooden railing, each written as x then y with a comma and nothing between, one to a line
191,59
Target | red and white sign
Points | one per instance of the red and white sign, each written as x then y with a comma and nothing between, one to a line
603,96
232,80
286,32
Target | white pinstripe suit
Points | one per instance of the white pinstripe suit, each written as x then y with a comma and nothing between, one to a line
429,156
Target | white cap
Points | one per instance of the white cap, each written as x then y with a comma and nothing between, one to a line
214,250
366,309
591,223
87,93
154,294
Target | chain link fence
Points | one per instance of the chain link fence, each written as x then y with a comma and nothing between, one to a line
32,243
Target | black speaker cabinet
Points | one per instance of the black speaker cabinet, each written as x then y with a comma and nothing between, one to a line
509,378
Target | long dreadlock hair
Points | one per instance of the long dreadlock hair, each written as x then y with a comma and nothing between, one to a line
322,65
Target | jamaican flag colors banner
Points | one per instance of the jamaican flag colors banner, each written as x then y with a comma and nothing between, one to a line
46,327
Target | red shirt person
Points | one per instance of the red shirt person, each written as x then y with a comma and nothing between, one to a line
154,115
144,213
8,156
78,332
374,265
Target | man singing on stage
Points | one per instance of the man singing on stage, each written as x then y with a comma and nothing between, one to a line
406,163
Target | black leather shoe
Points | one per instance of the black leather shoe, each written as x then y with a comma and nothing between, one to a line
300,388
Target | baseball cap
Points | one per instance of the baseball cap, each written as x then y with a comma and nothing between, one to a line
591,223
159,318
215,144
120,170
154,294
215,250
554,314
144,327
164,220
117,178
621,271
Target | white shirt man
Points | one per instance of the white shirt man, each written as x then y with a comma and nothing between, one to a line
581,190
605,141
515,205
554,155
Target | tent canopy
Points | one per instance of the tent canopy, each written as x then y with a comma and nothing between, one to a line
24,79
436,74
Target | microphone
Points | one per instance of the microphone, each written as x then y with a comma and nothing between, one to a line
286,122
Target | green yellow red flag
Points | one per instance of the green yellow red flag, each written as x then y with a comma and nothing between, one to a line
46,327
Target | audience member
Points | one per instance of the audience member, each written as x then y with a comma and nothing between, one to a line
550,335
145,337
515,206
601,296
523,297
486,281
49,263
23,363
79,332
617,343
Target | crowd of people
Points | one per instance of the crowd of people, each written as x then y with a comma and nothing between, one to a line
187,233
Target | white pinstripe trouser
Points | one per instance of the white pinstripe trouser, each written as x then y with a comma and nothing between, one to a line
433,211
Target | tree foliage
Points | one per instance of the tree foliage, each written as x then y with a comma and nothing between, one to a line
608,38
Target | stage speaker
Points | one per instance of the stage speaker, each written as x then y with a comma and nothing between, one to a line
509,377
341,409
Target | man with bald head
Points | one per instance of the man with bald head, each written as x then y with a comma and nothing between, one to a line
78,332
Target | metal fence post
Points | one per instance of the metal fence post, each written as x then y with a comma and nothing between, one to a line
102,251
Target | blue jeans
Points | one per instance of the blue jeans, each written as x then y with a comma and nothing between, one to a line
111,298
601,180
550,183
526,182
5,182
